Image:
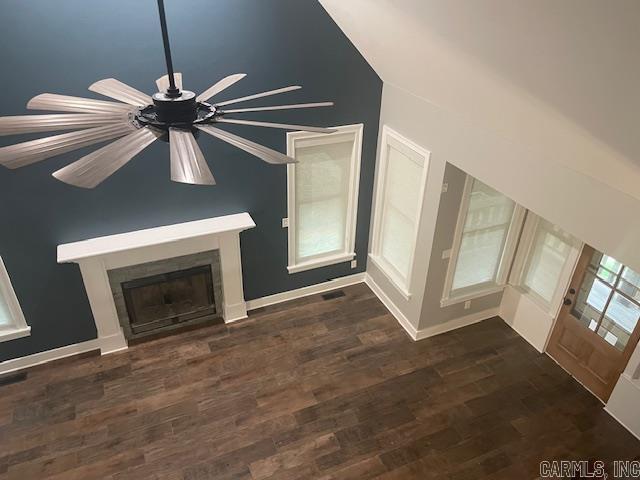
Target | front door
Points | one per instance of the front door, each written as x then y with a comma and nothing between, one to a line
597,327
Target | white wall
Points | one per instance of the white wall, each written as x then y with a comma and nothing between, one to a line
525,316
559,77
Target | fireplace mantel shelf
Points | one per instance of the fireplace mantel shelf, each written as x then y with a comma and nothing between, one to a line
97,256
100,246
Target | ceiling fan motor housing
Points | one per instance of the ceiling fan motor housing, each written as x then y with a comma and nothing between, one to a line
180,109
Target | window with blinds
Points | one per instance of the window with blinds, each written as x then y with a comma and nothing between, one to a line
12,322
549,252
486,235
323,197
400,189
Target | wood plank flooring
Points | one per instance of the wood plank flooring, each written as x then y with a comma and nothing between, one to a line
312,389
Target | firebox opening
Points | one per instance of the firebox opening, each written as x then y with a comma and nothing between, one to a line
168,300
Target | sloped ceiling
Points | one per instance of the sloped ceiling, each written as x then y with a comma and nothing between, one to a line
560,77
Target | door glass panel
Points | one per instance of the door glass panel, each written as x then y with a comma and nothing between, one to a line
610,264
590,301
607,275
598,295
631,276
629,290
608,301
619,321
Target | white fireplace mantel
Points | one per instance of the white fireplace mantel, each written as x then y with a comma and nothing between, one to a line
97,256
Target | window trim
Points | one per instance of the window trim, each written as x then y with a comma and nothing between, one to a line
18,328
523,253
510,246
331,258
403,285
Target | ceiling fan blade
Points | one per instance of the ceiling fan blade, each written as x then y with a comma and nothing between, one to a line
65,103
163,82
277,125
47,123
260,151
188,164
26,153
259,95
219,86
117,90
279,107
93,169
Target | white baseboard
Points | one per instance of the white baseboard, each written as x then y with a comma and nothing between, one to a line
457,323
21,363
305,291
395,311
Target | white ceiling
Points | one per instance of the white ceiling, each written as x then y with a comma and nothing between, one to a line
561,77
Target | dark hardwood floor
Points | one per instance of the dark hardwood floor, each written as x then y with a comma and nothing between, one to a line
311,389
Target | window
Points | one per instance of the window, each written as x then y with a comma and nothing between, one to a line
399,193
12,322
323,196
484,243
545,260
608,301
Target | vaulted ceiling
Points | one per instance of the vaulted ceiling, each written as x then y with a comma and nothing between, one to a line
561,77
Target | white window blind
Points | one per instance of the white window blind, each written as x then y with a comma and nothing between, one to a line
12,322
544,262
487,222
485,240
548,256
401,179
323,188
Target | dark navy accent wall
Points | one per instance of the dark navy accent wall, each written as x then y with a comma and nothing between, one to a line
64,46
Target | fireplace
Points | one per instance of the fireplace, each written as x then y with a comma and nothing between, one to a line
169,294
108,262
155,303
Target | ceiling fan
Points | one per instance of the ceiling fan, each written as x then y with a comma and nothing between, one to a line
137,120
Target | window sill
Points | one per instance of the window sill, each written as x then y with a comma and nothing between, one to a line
398,285
12,334
321,262
447,302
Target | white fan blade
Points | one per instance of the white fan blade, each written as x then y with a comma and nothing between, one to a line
22,154
260,151
93,169
163,82
217,87
279,107
49,123
117,90
259,95
277,125
65,103
188,164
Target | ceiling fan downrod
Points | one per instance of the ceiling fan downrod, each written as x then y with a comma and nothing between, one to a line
172,91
